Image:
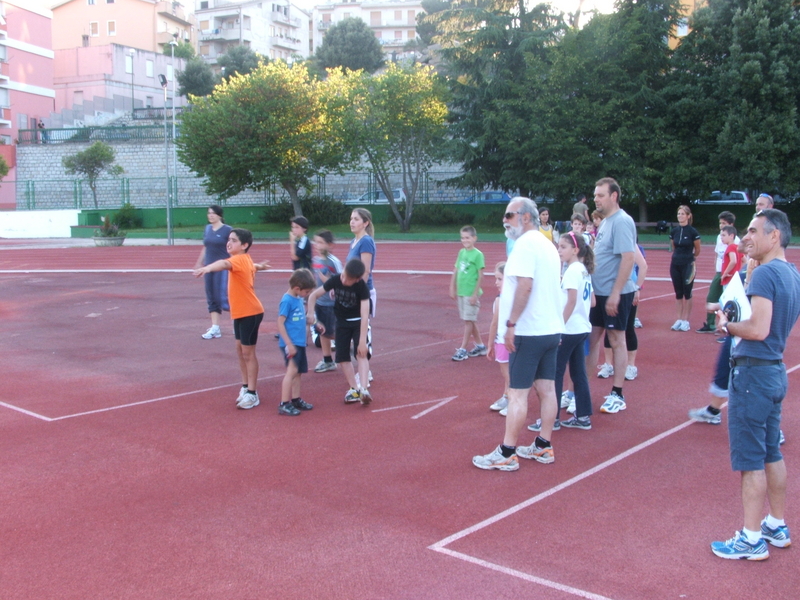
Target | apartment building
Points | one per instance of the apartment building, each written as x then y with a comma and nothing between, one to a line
278,29
142,24
393,21
26,78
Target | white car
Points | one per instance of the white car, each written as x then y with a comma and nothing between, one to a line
378,197
718,197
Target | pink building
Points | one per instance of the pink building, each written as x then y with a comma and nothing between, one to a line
26,79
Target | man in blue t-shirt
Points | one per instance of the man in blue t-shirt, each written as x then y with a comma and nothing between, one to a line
758,386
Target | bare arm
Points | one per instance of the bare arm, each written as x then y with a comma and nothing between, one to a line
492,334
474,299
366,258
362,335
521,296
572,300
290,349
453,283
220,265
696,248
731,268
623,275
201,259
639,261
312,303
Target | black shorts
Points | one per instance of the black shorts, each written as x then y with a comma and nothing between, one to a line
599,318
347,334
300,359
246,329
324,315
534,358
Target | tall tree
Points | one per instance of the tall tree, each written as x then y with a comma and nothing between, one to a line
91,163
239,60
182,50
397,122
350,44
255,130
197,79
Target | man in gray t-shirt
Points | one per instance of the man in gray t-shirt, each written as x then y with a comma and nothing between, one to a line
614,250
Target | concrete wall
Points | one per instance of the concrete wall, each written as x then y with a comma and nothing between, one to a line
37,224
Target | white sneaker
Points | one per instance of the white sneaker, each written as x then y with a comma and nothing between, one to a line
676,326
503,412
613,404
606,371
324,367
571,408
631,373
637,324
242,392
213,332
685,326
565,397
500,404
248,400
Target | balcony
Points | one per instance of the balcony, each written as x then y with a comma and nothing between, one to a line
226,34
175,11
322,25
280,41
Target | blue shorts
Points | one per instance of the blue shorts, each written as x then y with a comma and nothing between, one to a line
599,318
755,397
300,358
534,358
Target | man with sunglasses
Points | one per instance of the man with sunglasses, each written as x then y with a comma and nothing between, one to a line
763,202
531,322
758,385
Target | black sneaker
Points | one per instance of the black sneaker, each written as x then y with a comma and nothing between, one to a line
287,408
301,404
705,329
578,423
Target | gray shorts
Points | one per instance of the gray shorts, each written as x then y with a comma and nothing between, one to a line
755,397
534,358
467,311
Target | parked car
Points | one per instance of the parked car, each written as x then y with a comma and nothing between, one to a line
486,197
378,197
718,197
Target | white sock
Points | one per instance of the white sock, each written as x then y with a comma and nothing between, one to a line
752,536
774,523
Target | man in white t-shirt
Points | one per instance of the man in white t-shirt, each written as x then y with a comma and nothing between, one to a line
531,322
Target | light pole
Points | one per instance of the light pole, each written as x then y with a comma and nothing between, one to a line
172,45
132,53
162,78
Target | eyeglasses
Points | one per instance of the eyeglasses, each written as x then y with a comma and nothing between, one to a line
510,215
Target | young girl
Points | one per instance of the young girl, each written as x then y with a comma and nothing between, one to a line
578,299
496,346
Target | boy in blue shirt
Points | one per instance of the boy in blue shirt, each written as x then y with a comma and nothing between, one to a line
292,331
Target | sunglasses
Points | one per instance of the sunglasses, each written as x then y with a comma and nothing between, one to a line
510,215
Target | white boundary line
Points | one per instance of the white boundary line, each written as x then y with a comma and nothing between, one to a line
404,406
432,408
26,412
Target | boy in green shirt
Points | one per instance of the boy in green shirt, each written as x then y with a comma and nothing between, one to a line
465,286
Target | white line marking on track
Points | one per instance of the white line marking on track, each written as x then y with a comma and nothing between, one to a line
25,412
432,408
521,575
408,405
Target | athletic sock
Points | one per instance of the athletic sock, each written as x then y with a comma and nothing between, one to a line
752,536
249,391
712,410
295,399
327,359
540,442
618,391
507,451
774,523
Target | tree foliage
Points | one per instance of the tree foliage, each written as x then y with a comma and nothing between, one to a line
182,50
350,44
91,163
239,60
273,126
4,168
197,79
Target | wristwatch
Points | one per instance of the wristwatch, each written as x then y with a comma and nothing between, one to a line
510,324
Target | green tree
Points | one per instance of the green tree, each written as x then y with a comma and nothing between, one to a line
91,163
197,79
182,50
4,168
397,122
239,60
271,126
350,44
426,29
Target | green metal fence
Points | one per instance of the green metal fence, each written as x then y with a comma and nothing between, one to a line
82,135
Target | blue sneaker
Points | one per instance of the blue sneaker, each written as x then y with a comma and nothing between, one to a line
739,548
778,537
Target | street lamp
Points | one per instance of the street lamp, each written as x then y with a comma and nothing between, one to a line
132,53
163,80
172,46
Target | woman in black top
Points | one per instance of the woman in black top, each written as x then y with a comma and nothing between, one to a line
685,246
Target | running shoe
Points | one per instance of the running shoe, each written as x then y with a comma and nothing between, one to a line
538,425
782,440
606,371
685,326
478,350
703,415
578,423
676,326
572,406
542,455
631,373
242,392
503,412
301,404
613,404
461,354
778,537
565,398
288,409
352,396
249,400
213,332
705,329
739,548
324,367
637,324
366,397
500,403
496,460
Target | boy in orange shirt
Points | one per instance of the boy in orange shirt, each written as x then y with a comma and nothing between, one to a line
246,309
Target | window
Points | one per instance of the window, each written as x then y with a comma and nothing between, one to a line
375,18
412,18
128,63
112,28
77,97
398,35
85,41
378,34
3,53
90,2
683,28
347,15
148,68
204,25
109,1
204,5
94,29
4,99
5,140
204,50
398,15
148,102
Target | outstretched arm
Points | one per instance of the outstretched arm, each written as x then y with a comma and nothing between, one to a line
220,265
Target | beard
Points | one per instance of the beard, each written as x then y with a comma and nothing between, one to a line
512,232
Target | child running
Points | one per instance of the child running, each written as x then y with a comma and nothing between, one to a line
465,287
351,307
293,332
497,350
246,309
325,266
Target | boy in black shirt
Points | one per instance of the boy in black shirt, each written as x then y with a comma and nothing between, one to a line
351,307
